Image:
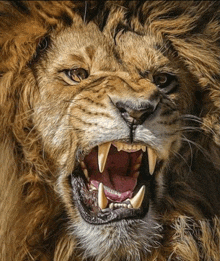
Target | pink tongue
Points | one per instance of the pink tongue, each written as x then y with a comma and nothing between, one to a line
118,189
117,177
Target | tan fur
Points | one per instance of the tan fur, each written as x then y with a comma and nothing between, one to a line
39,142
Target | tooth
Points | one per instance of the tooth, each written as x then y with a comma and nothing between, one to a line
83,166
85,171
102,200
119,146
111,206
91,188
137,200
102,155
152,158
143,148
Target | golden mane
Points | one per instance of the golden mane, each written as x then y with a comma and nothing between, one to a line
34,221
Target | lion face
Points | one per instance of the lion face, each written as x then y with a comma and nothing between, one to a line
110,113
110,131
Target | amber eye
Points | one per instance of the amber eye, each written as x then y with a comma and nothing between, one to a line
161,79
165,81
77,75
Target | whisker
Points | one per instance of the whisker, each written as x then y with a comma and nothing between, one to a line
200,148
85,12
191,151
197,119
193,129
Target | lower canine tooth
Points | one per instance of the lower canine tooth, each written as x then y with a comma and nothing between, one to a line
152,158
137,200
102,200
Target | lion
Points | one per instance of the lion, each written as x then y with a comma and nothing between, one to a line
110,131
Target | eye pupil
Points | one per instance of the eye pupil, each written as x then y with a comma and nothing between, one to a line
161,79
78,74
167,82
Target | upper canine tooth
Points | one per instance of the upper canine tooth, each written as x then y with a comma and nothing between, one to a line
102,155
102,200
152,158
137,200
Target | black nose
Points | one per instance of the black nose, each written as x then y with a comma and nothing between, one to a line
135,113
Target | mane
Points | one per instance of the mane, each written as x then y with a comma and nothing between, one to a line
33,219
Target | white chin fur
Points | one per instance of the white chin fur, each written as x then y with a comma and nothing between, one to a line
128,240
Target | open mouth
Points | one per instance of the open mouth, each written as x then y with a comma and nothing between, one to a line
113,182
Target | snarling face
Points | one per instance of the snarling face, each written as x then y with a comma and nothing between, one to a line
109,115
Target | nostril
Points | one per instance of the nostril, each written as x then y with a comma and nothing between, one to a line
134,112
122,110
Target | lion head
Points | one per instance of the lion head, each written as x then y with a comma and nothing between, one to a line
110,131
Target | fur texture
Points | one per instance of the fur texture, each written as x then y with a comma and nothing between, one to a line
47,123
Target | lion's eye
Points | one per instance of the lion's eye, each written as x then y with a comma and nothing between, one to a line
165,81
161,79
77,75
